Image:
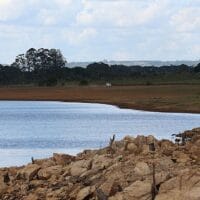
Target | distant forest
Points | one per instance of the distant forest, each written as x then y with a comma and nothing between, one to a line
47,67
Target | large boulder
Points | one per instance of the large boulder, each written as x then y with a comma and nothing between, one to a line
131,147
140,140
79,167
151,139
180,157
118,196
3,185
142,169
139,190
167,147
128,138
63,159
45,162
161,177
110,187
28,172
195,152
46,173
85,193
101,162
185,186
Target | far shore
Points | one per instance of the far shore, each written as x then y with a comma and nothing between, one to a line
159,98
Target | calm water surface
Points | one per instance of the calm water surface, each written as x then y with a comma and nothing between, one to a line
38,129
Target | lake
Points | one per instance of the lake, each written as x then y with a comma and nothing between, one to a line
39,128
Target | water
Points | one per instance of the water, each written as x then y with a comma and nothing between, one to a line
38,129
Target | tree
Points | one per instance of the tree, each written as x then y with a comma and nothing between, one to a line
197,68
31,59
58,61
21,62
41,59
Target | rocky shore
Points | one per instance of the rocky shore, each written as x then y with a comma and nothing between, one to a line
141,168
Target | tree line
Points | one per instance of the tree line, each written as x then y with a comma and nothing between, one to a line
47,67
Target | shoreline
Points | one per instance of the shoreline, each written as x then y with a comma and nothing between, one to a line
170,98
119,105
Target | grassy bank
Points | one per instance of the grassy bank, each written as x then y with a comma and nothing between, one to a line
166,98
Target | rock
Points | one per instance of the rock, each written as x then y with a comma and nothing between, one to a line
180,157
90,172
46,173
56,194
185,186
164,163
161,177
129,138
73,194
110,187
132,148
142,169
145,149
101,162
167,147
139,190
79,167
45,163
124,175
28,172
63,159
116,197
195,152
3,185
151,139
36,183
140,140
31,197
85,193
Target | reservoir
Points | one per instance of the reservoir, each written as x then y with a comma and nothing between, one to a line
39,128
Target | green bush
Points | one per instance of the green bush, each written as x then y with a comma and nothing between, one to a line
83,82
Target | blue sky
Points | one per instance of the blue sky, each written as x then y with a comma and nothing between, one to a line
89,30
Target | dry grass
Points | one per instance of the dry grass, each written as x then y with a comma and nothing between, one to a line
171,98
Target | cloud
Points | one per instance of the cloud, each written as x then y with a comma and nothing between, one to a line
77,37
10,9
63,3
41,12
47,17
122,55
98,29
120,13
187,19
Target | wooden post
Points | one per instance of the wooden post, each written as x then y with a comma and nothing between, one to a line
154,189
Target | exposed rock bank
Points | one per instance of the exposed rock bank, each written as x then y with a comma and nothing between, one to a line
122,171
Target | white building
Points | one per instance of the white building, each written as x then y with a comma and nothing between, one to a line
108,84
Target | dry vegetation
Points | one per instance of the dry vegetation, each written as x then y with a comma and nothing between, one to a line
171,98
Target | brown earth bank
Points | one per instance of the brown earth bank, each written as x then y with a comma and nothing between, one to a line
141,168
163,98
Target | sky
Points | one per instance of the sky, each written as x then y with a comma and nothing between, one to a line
94,30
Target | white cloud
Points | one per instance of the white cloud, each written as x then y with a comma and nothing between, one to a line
121,13
48,12
48,17
122,55
77,37
10,9
196,49
187,19
118,29
64,3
